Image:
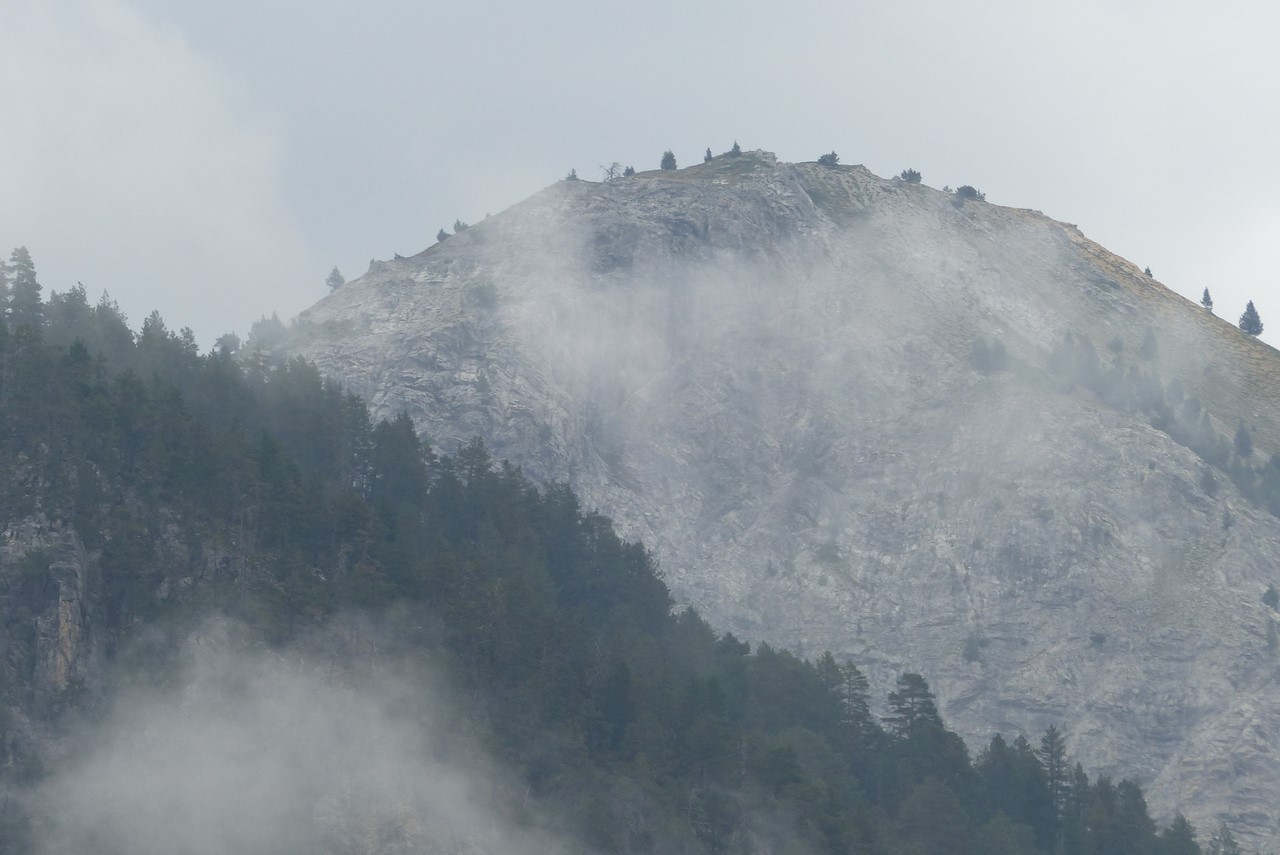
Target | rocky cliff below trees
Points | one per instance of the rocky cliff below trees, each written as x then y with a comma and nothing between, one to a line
781,378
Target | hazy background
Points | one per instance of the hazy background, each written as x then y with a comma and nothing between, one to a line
214,161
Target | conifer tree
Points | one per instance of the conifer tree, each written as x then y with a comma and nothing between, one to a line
1179,838
1053,756
912,706
1206,300
736,150
855,706
25,308
335,279
706,158
1249,321
668,160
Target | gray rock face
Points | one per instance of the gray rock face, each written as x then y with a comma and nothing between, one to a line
762,370
62,651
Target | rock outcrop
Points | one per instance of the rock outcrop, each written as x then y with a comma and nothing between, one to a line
765,371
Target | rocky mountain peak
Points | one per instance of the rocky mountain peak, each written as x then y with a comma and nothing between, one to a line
924,432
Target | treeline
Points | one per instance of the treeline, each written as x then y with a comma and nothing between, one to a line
643,728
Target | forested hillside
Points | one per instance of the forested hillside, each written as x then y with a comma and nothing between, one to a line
146,487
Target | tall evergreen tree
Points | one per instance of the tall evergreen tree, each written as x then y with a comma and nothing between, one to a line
1053,757
25,307
1178,839
911,706
668,160
1206,300
1134,829
1249,321
335,279
855,707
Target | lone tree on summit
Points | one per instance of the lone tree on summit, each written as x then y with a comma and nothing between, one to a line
1249,321
668,159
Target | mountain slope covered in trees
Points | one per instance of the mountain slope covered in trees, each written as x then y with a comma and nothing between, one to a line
147,488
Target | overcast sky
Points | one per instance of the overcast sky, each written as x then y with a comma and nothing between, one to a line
215,160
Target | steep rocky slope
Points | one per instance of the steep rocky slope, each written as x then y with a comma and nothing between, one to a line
763,370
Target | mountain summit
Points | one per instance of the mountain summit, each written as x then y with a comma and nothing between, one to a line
920,430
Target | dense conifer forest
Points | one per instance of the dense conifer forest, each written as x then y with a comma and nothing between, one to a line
635,722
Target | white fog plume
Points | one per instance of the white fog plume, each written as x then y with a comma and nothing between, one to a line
328,748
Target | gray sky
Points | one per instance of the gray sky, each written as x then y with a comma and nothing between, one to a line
215,160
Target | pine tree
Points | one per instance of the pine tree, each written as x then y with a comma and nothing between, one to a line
706,158
1249,321
1053,756
25,308
441,235
335,279
1179,838
1206,300
668,159
736,150
912,706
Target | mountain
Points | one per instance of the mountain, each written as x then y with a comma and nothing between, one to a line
238,616
925,432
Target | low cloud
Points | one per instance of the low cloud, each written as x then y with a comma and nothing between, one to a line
324,748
